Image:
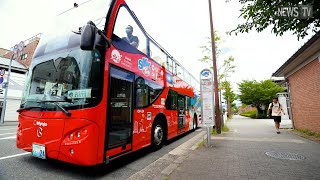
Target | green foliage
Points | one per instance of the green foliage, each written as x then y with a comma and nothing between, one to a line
258,93
228,93
225,128
165,178
207,50
251,114
260,14
234,108
226,69
227,65
309,133
214,131
201,144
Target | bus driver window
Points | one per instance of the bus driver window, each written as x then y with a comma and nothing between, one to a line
131,39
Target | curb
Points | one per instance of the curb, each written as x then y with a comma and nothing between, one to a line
169,161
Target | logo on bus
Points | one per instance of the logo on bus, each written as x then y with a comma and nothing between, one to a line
39,132
116,56
38,123
144,66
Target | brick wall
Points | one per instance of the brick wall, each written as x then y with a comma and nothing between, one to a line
305,95
29,50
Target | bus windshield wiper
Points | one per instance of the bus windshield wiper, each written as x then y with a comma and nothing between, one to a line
28,108
55,102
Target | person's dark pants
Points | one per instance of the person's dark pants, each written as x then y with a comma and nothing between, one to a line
277,119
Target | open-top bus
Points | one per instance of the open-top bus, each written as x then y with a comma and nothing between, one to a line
94,93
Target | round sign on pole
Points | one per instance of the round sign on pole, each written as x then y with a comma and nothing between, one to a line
21,46
2,72
15,49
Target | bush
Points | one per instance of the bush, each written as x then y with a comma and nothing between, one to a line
262,116
251,114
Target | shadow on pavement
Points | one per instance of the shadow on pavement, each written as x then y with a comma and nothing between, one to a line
98,171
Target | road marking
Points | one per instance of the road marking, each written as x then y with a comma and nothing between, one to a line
12,156
8,129
10,137
6,134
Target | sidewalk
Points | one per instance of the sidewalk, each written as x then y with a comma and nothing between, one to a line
241,154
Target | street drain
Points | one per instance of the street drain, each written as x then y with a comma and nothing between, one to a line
285,155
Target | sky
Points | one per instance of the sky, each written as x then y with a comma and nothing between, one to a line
181,27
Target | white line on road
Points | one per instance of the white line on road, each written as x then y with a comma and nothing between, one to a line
8,129
10,137
6,134
12,156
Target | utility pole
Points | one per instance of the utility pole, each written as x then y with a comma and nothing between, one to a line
17,48
215,75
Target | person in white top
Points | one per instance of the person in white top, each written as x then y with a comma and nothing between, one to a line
275,110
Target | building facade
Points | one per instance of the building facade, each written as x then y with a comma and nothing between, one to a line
302,76
16,85
26,56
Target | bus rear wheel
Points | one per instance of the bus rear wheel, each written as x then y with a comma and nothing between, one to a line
157,135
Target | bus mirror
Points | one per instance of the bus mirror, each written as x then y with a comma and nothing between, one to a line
88,36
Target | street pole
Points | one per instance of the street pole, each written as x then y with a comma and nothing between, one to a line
4,103
216,87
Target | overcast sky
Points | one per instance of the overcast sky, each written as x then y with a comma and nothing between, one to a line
181,27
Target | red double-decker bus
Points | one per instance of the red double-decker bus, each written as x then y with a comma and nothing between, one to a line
99,90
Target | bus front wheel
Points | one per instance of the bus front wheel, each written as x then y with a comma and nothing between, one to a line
157,135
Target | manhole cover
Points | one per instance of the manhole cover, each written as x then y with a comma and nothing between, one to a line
285,155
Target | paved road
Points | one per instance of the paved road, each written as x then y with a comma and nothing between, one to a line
24,166
241,154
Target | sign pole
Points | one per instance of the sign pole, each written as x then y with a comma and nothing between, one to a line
208,136
215,75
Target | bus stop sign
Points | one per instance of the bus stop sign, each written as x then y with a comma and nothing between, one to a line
206,89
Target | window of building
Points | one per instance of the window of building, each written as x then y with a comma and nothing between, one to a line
127,29
24,56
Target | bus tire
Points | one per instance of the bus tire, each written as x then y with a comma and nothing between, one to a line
157,135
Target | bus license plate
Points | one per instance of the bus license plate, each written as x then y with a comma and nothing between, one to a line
39,151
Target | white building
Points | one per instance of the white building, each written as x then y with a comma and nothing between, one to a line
16,85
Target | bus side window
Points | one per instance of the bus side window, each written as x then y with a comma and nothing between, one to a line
157,54
127,29
172,100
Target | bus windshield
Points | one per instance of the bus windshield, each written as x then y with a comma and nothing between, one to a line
70,78
60,71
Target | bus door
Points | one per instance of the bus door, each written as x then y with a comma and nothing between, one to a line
181,112
119,121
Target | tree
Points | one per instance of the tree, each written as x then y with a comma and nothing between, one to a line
260,14
224,71
258,94
229,95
